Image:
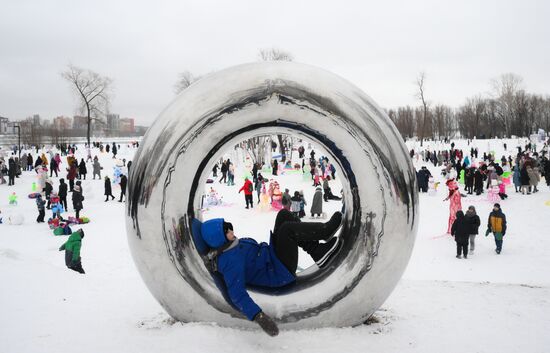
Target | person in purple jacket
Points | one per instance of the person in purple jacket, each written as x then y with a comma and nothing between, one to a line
243,262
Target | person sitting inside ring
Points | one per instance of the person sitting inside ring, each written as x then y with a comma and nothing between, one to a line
244,261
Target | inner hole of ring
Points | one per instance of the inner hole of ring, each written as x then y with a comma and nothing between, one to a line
220,198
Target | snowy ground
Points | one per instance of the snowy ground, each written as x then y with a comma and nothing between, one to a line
487,303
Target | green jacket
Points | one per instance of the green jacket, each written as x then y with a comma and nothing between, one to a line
73,244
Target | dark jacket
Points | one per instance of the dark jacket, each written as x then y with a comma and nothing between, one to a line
48,188
108,190
123,182
317,203
62,189
77,198
82,168
461,228
40,203
474,222
247,263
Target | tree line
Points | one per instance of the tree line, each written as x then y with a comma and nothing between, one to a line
508,109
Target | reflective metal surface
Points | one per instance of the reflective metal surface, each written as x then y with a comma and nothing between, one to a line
229,106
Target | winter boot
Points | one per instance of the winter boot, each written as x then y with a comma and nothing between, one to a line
321,253
306,231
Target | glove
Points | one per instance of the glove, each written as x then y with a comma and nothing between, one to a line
267,324
487,232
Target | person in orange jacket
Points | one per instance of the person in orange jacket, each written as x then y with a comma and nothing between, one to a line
248,188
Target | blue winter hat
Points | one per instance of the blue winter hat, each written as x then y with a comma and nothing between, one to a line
212,232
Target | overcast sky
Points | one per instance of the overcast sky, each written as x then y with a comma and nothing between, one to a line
379,46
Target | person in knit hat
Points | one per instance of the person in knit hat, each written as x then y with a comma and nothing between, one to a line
496,224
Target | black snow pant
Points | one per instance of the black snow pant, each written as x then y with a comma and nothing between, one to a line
224,177
73,265
41,215
122,194
248,200
63,201
71,184
462,248
289,233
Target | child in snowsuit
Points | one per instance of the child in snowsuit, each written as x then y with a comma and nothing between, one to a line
295,202
72,251
497,225
40,204
272,265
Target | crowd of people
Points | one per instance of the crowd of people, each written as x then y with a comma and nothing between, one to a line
268,189
51,194
524,168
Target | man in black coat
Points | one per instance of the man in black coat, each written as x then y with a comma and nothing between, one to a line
423,179
11,171
123,182
63,193
224,169
461,231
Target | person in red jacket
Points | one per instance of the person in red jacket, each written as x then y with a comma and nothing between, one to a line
72,173
248,188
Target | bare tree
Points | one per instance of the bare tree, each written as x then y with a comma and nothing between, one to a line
93,91
185,79
505,87
275,54
420,83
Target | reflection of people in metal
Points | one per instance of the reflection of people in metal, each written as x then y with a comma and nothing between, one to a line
244,262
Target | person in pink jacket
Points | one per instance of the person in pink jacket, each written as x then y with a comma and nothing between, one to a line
455,204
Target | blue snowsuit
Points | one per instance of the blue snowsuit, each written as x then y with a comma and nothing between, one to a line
247,263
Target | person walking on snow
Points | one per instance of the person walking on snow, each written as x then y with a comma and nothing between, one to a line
77,200
248,188
108,190
496,224
473,220
123,182
40,204
82,170
96,168
62,193
461,232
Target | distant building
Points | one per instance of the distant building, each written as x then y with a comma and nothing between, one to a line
4,125
36,119
63,123
80,122
113,122
127,125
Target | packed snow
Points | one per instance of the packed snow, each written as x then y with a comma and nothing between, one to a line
486,303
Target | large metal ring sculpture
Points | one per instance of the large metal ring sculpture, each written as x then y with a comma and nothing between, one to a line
224,108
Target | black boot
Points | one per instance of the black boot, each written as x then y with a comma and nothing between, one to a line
321,253
308,231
